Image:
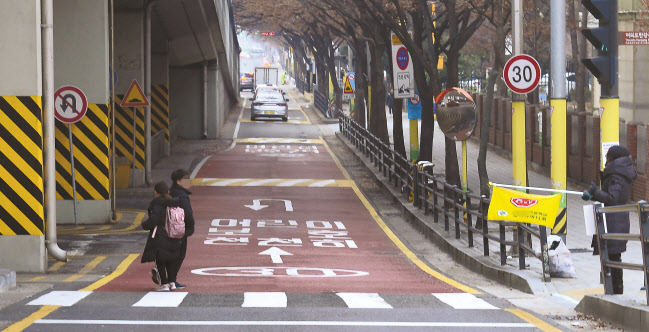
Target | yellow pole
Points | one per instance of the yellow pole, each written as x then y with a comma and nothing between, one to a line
414,139
465,181
519,158
609,126
558,161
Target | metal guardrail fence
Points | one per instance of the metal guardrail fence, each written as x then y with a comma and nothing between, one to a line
643,218
321,103
459,209
301,85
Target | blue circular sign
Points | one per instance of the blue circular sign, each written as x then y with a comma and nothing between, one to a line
403,58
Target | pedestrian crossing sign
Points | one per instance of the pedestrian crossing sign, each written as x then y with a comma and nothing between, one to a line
134,97
348,86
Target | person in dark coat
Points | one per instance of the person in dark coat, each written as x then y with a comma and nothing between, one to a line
617,177
180,182
389,100
159,248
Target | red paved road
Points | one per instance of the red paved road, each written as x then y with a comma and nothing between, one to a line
335,243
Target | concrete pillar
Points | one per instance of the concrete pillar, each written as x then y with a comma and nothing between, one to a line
129,66
160,97
186,86
21,150
81,59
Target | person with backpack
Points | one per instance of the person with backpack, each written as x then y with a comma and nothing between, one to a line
180,182
161,248
619,173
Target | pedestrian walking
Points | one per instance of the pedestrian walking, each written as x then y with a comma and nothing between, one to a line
179,190
617,177
159,248
389,100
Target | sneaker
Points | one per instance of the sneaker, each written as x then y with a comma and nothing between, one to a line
155,276
163,288
179,286
172,285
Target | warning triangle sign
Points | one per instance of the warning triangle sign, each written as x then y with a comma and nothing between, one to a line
134,97
348,86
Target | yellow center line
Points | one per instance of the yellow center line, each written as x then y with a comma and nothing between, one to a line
29,320
56,266
104,228
89,267
541,325
118,217
404,249
136,222
120,269
36,279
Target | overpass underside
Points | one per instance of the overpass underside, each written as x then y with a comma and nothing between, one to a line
183,54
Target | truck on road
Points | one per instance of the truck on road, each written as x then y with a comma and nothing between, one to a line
266,75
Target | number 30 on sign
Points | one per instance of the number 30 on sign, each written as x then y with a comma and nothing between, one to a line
522,73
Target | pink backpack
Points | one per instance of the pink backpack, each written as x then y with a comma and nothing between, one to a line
175,222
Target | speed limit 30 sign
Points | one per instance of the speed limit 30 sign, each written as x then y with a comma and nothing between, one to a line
522,73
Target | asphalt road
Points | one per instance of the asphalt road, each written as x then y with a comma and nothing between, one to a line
286,240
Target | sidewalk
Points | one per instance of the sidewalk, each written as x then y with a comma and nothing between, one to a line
629,310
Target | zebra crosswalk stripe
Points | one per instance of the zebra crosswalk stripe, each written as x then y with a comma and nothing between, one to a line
364,301
269,140
60,298
160,299
463,301
247,182
264,300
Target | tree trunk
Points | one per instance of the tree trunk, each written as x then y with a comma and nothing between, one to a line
378,121
426,96
450,158
397,127
360,57
576,57
321,76
338,96
499,62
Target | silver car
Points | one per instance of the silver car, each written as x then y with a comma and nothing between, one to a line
269,103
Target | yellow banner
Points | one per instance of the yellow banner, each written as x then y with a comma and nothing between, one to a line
511,205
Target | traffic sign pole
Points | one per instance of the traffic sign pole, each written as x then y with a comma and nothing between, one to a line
558,116
74,182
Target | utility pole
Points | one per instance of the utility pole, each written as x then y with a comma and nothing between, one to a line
519,157
558,110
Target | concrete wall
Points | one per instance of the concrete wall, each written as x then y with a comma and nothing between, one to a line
20,69
129,48
81,47
20,48
185,106
159,68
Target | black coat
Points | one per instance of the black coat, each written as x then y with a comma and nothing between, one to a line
179,192
161,247
616,190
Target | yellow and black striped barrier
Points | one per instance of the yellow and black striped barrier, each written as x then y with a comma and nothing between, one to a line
91,151
124,132
160,109
21,166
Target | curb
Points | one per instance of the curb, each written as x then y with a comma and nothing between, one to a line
521,280
7,280
619,310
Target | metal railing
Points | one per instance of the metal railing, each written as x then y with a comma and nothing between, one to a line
462,210
321,103
301,85
643,218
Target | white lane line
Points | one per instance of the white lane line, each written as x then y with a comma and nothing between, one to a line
566,297
227,182
264,300
258,183
62,298
463,301
322,183
198,167
277,323
160,299
292,182
364,300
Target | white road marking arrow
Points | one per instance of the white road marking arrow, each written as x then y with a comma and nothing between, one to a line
275,254
256,204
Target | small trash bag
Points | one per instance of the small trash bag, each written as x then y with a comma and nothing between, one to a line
559,257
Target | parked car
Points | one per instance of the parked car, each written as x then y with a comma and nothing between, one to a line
269,103
247,81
